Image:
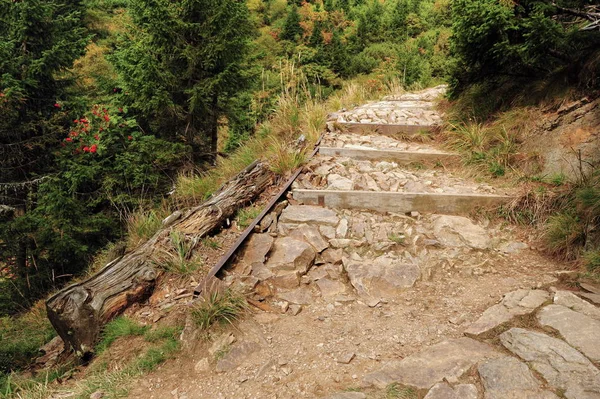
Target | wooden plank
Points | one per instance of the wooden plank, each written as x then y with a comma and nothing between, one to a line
452,204
384,128
401,157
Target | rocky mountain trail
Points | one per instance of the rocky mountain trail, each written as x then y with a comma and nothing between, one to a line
352,301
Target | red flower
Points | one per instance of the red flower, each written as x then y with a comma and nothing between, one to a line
86,149
97,137
76,121
106,118
56,105
93,148
129,137
101,129
62,144
69,139
120,109
84,121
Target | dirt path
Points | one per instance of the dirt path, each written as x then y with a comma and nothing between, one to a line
359,297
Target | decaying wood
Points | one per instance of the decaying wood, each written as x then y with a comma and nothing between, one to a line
79,311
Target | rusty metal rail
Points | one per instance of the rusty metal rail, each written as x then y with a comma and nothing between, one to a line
241,239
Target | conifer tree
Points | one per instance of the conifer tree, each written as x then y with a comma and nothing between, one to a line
184,62
39,41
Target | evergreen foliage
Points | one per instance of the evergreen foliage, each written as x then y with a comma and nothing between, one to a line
521,41
182,63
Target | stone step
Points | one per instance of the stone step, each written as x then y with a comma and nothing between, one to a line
386,129
400,157
380,201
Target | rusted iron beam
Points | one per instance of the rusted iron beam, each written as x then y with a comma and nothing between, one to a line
241,239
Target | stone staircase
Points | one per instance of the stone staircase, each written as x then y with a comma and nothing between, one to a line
372,276
377,171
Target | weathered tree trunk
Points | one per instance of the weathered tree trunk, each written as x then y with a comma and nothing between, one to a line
79,311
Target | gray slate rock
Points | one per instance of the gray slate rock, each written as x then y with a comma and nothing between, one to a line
516,303
508,378
337,182
573,302
308,214
595,298
384,277
447,360
458,231
579,330
561,365
444,391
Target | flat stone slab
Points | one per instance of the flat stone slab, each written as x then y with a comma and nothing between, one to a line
299,214
508,378
573,302
447,360
384,277
579,330
443,390
561,365
516,303
400,202
457,231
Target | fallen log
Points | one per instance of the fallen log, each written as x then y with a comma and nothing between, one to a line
79,311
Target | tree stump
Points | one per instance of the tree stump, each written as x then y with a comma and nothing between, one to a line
79,311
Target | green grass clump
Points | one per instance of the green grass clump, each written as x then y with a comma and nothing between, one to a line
245,216
564,235
120,327
218,307
592,261
162,333
396,391
21,337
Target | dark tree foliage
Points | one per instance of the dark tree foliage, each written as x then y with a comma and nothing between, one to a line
39,41
182,63
530,39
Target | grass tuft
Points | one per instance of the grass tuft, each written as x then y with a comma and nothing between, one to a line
120,327
218,307
246,215
564,235
397,391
